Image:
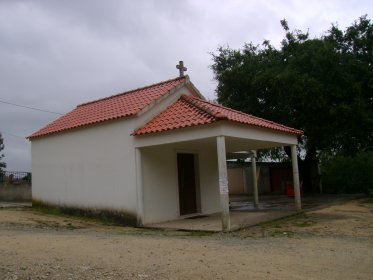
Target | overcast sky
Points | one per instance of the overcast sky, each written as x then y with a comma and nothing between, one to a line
55,55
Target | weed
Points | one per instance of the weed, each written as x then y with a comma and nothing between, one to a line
368,200
71,226
305,223
280,233
199,233
104,216
278,223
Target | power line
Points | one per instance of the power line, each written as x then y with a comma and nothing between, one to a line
11,134
28,107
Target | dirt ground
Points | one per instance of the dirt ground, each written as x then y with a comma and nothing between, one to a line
335,242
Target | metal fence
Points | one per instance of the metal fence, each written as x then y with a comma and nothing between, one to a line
15,178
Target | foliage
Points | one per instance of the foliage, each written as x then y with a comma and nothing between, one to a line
323,86
27,178
2,163
345,174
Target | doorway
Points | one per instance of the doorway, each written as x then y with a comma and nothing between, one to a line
186,171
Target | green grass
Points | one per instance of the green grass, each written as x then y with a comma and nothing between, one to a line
368,200
163,232
103,216
71,226
281,233
281,221
200,233
304,223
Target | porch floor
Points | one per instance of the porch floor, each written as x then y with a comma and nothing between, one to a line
243,214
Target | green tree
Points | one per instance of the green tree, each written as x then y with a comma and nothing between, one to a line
355,109
344,174
323,86
2,163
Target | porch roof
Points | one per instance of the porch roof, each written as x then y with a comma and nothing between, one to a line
190,111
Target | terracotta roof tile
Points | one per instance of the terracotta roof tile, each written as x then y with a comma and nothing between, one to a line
192,111
109,108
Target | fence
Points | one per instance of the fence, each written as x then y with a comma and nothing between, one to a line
15,178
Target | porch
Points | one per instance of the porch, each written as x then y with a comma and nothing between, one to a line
161,176
243,213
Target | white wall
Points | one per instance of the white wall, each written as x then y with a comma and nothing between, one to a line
209,178
160,182
90,167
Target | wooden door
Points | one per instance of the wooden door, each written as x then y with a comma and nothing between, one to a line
187,183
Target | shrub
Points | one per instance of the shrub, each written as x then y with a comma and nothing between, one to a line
349,174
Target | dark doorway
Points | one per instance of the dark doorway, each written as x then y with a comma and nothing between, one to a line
187,183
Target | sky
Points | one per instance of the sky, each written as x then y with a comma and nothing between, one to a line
55,55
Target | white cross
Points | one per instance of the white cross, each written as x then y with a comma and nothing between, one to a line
181,68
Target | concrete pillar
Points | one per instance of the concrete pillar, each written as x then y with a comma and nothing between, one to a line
294,162
223,183
255,182
139,188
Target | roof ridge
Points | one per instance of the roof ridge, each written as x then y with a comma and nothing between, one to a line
187,98
221,106
132,90
239,112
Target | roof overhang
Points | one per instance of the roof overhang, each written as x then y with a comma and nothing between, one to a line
239,137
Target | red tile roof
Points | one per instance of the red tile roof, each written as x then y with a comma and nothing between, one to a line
109,108
191,111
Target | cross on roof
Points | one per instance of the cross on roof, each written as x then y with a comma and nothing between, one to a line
181,68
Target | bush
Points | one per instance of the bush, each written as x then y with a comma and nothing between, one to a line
349,174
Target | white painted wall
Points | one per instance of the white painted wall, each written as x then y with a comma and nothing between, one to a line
209,178
160,182
92,167
160,192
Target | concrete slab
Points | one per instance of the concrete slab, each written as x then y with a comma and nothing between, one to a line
212,223
243,214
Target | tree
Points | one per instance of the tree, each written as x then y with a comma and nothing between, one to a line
2,164
355,47
323,86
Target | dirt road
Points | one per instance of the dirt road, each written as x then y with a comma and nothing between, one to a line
331,243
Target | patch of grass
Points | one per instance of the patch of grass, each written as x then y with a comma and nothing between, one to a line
164,232
139,232
71,226
304,223
111,217
279,223
55,225
368,200
199,233
283,227
280,233
43,223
